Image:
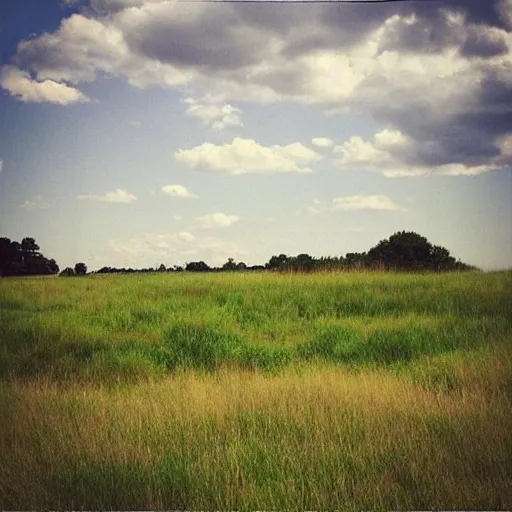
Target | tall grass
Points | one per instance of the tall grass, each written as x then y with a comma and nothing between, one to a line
131,327
256,391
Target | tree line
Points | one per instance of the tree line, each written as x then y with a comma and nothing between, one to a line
403,251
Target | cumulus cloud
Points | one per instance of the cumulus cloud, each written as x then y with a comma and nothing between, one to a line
177,191
245,156
119,196
217,220
484,42
393,155
353,203
322,142
370,202
22,86
38,203
216,116
84,47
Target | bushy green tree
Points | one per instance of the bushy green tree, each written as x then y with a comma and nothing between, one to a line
67,272
17,259
80,269
230,265
197,266
276,261
406,250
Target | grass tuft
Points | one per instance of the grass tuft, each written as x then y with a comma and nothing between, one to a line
189,345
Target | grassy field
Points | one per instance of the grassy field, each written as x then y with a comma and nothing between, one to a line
256,391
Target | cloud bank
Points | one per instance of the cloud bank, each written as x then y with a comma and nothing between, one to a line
439,73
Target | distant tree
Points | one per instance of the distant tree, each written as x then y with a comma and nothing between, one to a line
441,259
241,266
230,265
28,244
304,263
51,266
256,268
406,250
67,272
24,259
162,268
10,258
276,261
80,269
355,259
329,263
197,266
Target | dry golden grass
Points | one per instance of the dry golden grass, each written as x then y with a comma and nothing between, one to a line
313,437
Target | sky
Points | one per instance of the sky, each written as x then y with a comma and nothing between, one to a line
141,132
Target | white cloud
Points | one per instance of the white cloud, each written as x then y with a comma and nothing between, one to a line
322,142
352,203
217,220
84,47
357,151
38,203
388,152
244,156
177,191
370,202
20,85
214,115
119,195
151,249
135,124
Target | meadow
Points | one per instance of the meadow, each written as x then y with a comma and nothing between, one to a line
244,391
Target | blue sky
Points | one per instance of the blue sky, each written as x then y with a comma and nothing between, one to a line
140,132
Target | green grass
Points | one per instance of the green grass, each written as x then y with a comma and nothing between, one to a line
256,391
